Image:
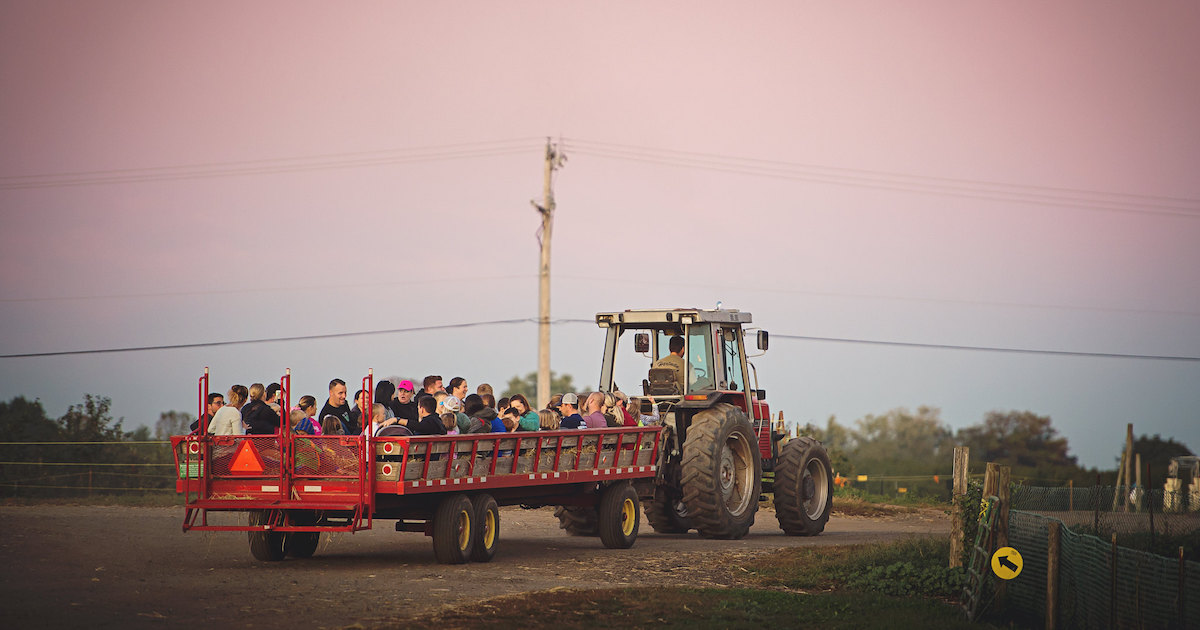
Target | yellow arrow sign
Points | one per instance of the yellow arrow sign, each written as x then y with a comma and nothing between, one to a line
1006,563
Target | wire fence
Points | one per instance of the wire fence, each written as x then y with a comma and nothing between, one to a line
1100,585
45,470
1147,520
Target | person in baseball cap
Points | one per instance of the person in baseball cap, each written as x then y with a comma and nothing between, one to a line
569,407
403,404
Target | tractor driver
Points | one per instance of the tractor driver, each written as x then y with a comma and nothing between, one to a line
674,360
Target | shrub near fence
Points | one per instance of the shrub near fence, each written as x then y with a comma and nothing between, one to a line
46,470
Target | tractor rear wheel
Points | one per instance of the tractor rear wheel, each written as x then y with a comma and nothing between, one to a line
578,521
722,472
667,512
803,487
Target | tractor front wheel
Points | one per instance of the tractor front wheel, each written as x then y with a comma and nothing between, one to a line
803,487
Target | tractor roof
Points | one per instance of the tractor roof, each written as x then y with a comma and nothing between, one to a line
673,316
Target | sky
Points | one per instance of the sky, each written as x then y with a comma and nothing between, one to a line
1013,175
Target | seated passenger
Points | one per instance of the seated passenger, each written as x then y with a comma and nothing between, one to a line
257,416
643,420
622,410
431,423
595,416
453,406
450,422
302,424
570,410
331,426
528,417
483,417
511,419
548,420
228,419
379,418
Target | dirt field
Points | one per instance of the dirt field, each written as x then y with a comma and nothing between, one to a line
121,567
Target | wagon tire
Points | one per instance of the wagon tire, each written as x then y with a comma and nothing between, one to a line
487,527
265,546
667,512
578,521
454,530
620,515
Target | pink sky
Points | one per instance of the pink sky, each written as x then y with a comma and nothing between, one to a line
1099,99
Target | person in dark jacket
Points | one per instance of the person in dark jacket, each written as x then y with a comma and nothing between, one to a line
431,423
259,418
385,395
337,408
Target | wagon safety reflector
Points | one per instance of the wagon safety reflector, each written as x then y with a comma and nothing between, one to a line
246,461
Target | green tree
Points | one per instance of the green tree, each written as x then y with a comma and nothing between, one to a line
902,442
172,423
527,385
1023,440
837,442
91,421
22,420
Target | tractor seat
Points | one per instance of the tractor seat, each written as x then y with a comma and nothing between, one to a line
663,381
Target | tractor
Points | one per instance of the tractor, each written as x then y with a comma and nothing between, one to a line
718,438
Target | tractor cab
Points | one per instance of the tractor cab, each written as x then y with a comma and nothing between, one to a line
680,356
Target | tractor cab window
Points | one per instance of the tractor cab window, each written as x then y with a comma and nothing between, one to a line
699,358
731,357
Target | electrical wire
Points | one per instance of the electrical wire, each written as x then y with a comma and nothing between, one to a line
525,320
271,166
975,189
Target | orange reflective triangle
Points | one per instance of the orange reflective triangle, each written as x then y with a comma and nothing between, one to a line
246,461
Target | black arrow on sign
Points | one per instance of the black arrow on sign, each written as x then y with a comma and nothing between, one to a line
1005,562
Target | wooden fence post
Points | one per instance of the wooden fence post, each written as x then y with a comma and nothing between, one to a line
1004,493
1112,585
1052,551
961,459
1071,495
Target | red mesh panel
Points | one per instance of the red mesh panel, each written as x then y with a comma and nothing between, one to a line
326,457
224,449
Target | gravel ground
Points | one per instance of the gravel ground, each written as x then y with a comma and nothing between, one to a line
125,567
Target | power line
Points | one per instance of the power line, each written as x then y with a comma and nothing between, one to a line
213,344
271,165
941,346
874,342
843,294
365,285
974,189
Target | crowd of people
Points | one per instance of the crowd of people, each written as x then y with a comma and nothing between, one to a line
399,409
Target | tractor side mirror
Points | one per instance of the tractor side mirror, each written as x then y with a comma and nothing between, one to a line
641,343
763,339
760,394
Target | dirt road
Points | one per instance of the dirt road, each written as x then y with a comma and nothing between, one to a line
110,567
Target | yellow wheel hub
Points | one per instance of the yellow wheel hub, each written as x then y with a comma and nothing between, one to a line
628,517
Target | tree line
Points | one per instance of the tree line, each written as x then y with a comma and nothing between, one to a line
903,442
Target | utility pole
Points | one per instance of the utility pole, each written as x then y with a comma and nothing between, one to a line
554,161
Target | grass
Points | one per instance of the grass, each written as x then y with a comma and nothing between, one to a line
148,499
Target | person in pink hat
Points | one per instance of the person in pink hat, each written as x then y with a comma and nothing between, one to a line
403,405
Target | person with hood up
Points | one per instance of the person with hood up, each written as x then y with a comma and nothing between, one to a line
484,419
